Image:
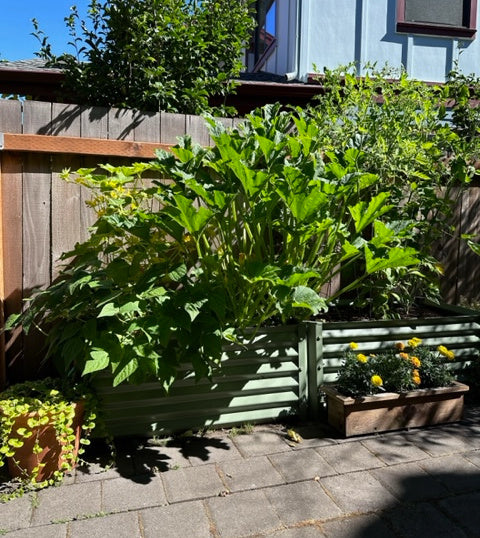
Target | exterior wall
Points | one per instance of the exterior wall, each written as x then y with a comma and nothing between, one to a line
339,32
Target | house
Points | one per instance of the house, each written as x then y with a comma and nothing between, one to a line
295,39
427,37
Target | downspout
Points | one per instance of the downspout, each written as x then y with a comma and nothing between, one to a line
292,75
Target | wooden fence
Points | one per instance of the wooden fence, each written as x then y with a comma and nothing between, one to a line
43,216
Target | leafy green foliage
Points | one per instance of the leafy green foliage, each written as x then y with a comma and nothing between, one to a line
26,411
165,55
421,141
406,367
240,235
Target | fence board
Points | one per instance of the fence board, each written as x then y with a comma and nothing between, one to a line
10,116
37,117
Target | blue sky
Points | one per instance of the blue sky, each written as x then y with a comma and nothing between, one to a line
16,43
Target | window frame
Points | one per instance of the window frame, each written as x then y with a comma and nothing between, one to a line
434,29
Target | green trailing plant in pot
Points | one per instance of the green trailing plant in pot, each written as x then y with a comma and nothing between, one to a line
44,427
409,385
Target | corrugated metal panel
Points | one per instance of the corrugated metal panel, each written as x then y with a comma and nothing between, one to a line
275,375
259,381
460,333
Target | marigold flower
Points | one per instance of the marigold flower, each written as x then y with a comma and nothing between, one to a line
362,358
443,351
414,342
416,379
353,345
450,355
405,356
416,361
376,380
400,346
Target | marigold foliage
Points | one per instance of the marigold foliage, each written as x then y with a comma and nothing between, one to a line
395,371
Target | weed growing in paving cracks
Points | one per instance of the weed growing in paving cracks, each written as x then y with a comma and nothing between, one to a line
34,500
80,518
245,429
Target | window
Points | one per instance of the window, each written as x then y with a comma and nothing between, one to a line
264,39
451,18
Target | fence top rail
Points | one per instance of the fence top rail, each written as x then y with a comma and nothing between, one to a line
74,145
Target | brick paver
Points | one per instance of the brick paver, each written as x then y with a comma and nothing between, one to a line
243,514
424,482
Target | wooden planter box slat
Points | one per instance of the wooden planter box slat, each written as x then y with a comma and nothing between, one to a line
392,411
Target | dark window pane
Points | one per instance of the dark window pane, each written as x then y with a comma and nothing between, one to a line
448,12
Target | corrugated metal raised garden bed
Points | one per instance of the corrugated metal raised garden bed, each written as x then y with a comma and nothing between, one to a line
276,375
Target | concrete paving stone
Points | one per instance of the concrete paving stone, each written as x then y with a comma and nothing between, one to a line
124,525
303,531
456,473
16,513
151,458
349,457
126,494
67,502
48,531
176,521
473,457
393,449
252,473
192,483
363,526
243,514
261,442
357,492
422,519
211,448
410,482
441,441
302,501
313,435
301,465
464,510
95,471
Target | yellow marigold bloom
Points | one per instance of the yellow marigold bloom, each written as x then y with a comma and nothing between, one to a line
376,380
416,361
414,342
362,358
415,373
405,356
400,346
353,345
443,351
450,355
416,379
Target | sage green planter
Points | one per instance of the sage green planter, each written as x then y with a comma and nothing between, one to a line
276,375
261,381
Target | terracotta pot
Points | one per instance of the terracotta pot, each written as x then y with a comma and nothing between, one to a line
52,453
394,411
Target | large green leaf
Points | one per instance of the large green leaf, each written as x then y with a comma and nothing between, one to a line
99,361
304,297
397,257
364,213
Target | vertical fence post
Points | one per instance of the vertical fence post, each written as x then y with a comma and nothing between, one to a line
315,365
303,396
3,369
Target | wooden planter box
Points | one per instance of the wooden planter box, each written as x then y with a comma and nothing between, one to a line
394,411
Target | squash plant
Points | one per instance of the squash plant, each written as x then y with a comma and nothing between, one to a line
195,246
38,423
